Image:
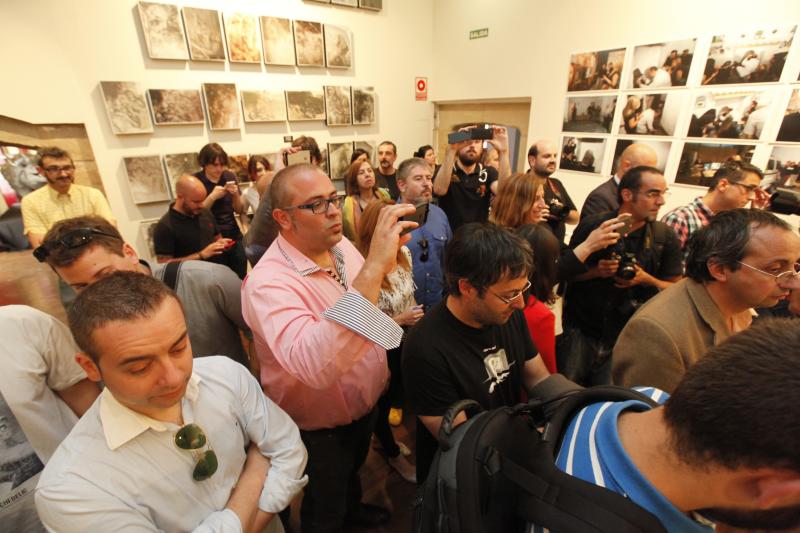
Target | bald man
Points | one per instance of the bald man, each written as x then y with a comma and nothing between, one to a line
188,231
604,197
542,160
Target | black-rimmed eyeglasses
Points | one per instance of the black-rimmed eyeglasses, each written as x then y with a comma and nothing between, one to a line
320,206
73,239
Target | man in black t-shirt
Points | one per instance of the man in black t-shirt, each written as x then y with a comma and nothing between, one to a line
475,344
542,160
599,302
385,173
463,185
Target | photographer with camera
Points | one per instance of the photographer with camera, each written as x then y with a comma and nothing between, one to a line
618,279
562,211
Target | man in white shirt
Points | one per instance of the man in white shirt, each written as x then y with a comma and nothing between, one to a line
658,77
164,447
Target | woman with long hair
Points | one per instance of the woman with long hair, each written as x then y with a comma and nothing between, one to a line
519,200
396,299
631,114
361,188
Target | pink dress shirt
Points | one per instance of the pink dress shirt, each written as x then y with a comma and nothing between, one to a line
322,346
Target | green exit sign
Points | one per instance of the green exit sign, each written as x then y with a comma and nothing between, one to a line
479,33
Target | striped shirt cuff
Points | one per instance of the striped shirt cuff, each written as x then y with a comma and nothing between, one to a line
358,314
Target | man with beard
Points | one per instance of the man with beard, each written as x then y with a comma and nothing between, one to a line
721,450
542,160
463,185
475,344
386,174
617,279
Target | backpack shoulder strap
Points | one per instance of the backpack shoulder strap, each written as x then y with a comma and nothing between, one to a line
171,274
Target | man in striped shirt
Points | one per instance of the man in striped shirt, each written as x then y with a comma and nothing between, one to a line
722,448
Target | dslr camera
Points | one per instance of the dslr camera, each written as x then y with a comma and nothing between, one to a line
557,209
627,261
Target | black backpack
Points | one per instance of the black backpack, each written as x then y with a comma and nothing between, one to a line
496,473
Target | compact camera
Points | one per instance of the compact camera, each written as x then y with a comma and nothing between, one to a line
557,209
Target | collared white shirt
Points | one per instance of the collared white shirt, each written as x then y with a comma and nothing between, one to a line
121,471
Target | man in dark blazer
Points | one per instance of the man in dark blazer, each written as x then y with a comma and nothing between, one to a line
604,197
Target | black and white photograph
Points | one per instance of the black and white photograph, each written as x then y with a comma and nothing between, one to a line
147,230
351,3
126,107
596,71
790,123
163,31
651,114
337,106
661,148
241,34
370,147
204,32
699,161
750,57
263,106
375,5
661,65
146,179
305,105
583,154
308,44
783,169
237,163
178,165
730,114
175,106
339,155
589,114
277,40
338,47
363,105
222,106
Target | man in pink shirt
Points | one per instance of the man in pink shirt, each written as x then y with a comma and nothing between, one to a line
321,340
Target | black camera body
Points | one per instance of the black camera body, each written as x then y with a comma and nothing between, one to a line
557,209
785,202
627,265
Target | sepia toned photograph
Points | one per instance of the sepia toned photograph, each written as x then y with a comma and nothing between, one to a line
126,107
263,106
351,3
783,169
338,47
651,114
751,57
370,147
241,34
305,105
699,161
238,165
178,165
308,44
661,65
375,5
589,114
363,105
337,106
222,106
661,148
163,31
596,71
204,32
730,114
790,123
146,179
339,155
278,41
583,154
147,230
175,106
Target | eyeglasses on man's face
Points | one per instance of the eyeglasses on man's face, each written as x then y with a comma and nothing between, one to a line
55,169
782,278
73,239
192,438
508,300
320,206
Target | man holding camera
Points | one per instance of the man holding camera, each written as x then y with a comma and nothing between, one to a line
542,159
618,279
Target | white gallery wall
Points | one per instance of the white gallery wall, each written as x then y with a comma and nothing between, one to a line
55,53
527,54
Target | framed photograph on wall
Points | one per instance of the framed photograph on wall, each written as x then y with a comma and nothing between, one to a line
204,32
263,106
126,107
660,65
699,161
374,5
783,169
651,114
363,105
238,165
729,114
305,105
370,147
241,34
661,148
163,31
337,106
146,179
178,165
147,229
338,47
583,154
339,155
308,44
278,41
222,106
349,3
175,106
596,71
752,57
790,124
589,114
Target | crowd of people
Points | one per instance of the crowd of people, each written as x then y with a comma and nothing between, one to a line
196,394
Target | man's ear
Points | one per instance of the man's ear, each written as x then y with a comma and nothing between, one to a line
282,218
531,160
129,253
466,288
88,366
773,488
627,195
718,271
